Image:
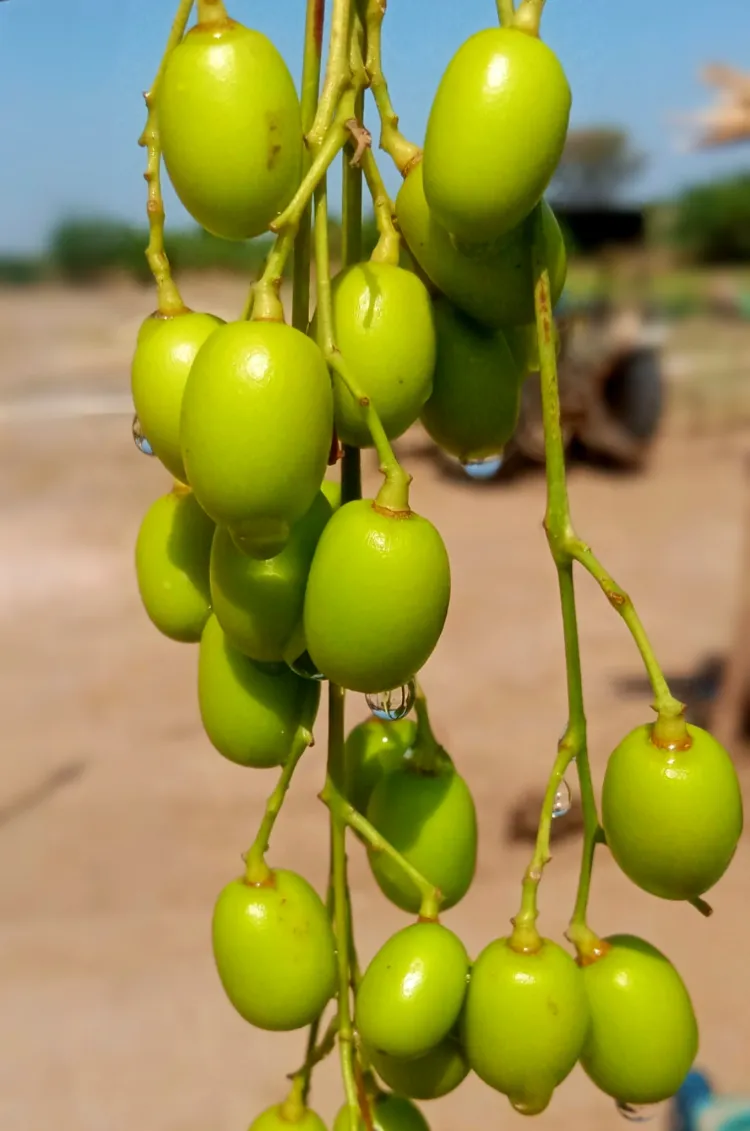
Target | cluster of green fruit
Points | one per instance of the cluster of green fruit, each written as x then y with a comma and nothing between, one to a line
286,579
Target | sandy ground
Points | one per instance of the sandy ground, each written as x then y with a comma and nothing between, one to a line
119,824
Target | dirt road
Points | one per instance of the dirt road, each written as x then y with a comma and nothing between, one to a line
119,824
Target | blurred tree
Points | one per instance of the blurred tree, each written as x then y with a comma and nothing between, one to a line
712,221
596,166
82,250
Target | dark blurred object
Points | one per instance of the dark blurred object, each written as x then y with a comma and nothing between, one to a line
611,387
83,250
523,820
596,165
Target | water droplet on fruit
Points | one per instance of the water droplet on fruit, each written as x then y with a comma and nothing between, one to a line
485,468
141,442
635,1113
305,667
562,800
392,705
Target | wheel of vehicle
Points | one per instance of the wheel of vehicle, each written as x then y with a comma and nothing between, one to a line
634,393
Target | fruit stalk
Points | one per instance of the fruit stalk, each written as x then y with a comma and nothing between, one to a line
528,16
506,12
338,72
256,869
168,295
341,904
388,247
337,804
403,153
212,12
308,103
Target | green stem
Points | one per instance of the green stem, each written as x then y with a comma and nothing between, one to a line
528,16
337,804
212,12
256,869
505,12
169,299
388,247
338,72
404,153
341,904
316,1053
308,103
427,749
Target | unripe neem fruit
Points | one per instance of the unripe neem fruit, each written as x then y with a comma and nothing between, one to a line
643,1037
172,555
382,321
412,992
389,1113
476,393
495,133
672,817
230,129
274,950
257,420
276,1119
250,714
259,603
525,1021
164,355
377,596
495,284
374,748
431,819
428,1077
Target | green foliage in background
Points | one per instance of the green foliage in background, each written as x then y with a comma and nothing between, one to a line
712,221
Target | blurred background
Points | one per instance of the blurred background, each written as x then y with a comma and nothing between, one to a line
118,822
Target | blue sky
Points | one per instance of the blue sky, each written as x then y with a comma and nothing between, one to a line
72,73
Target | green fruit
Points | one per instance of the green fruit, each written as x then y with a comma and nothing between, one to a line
172,553
375,748
495,288
259,603
163,358
250,714
525,1021
277,1118
643,1037
230,129
672,817
153,322
257,420
377,597
411,993
331,488
428,1077
274,951
476,395
495,133
431,820
389,1113
382,323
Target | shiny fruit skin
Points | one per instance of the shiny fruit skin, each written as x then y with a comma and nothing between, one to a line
375,748
431,820
259,603
428,1077
672,817
163,357
230,129
273,1119
495,133
250,715
377,597
412,992
476,393
383,326
643,1037
495,288
525,1021
389,1113
172,555
257,420
274,951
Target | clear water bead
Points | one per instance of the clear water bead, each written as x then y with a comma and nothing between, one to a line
485,468
392,705
305,667
562,800
141,442
635,1113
